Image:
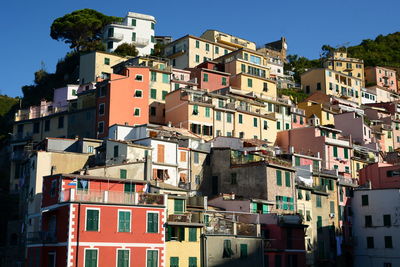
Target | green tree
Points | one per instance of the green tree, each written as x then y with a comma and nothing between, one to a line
299,65
81,29
126,49
159,50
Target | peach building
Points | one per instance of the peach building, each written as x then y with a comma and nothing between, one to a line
381,76
123,99
381,175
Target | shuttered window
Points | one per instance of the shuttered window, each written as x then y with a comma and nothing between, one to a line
243,251
152,258
287,179
123,258
122,173
178,206
160,153
124,221
192,234
91,258
192,262
152,222
92,220
278,177
174,261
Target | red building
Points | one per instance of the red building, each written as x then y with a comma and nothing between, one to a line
210,76
380,175
123,99
98,221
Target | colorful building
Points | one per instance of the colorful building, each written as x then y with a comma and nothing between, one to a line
381,76
210,76
339,61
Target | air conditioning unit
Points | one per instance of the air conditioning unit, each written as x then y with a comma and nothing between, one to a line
331,215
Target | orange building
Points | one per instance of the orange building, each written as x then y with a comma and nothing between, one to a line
123,99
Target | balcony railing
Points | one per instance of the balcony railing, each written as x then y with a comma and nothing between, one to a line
112,197
115,36
41,237
188,217
141,42
339,142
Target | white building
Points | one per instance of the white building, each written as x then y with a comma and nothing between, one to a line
137,29
368,96
376,227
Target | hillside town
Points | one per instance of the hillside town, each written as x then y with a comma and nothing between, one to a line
196,158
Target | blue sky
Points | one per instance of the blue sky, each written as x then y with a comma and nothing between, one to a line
306,24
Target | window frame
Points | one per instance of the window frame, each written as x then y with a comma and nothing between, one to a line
147,222
129,255
97,256
130,220
98,221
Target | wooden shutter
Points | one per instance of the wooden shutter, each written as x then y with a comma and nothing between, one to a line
155,177
278,177
91,258
265,209
174,261
192,234
243,250
123,258
92,220
287,179
183,156
192,261
160,153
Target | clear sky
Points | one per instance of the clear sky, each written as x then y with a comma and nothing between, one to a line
306,24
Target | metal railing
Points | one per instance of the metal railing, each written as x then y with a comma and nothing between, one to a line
103,196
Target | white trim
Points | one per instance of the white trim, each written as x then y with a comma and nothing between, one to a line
119,244
98,225
70,230
130,220
158,221
129,256
84,255
104,109
158,256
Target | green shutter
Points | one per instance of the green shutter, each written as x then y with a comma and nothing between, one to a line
285,203
124,223
153,93
332,206
278,177
152,222
129,188
165,78
319,222
287,179
178,206
297,161
207,112
164,94
90,258
192,234
255,122
92,220
174,261
152,258
153,76
253,207
278,125
123,258
250,83
243,250
346,153
240,118
122,174
265,209
133,36
335,153
192,261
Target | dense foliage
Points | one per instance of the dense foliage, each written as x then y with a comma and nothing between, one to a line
296,95
126,49
8,106
81,29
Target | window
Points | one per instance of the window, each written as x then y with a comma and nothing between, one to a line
218,115
388,242
152,258
106,61
308,196
308,215
347,169
287,179
152,26
240,118
124,221
255,122
192,261
370,242
335,152
387,220
101,109
60,122
136,112
226,51
243,68
265,125
279,177
287,126
153,76
278,125
318,86
82,185
110,45
153,111
152,39
122,257
192,234
122,173
223,82
250,83
197,44
164,94
165,78
243,251
216,50
90,149
100,128
229,118
233,178
90,257
364,200
368,220
153,93
92,219
319,202
152,222
197,58
129,188
332,207
47,125
174,261
138,93
228,252
207,47
179,206
196,157
241,134
346,153
319,222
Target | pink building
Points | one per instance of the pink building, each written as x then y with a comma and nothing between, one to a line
382,77
334,149
210,76
298,117
381,175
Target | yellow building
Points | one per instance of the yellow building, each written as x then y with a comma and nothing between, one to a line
249,72
339,61
228,39
210,115
332,82
189,51
183,231
95,65
322,111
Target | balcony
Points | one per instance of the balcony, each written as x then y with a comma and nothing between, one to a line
229,40
141,42
41,237
115,36
111,197
337,142
188,217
